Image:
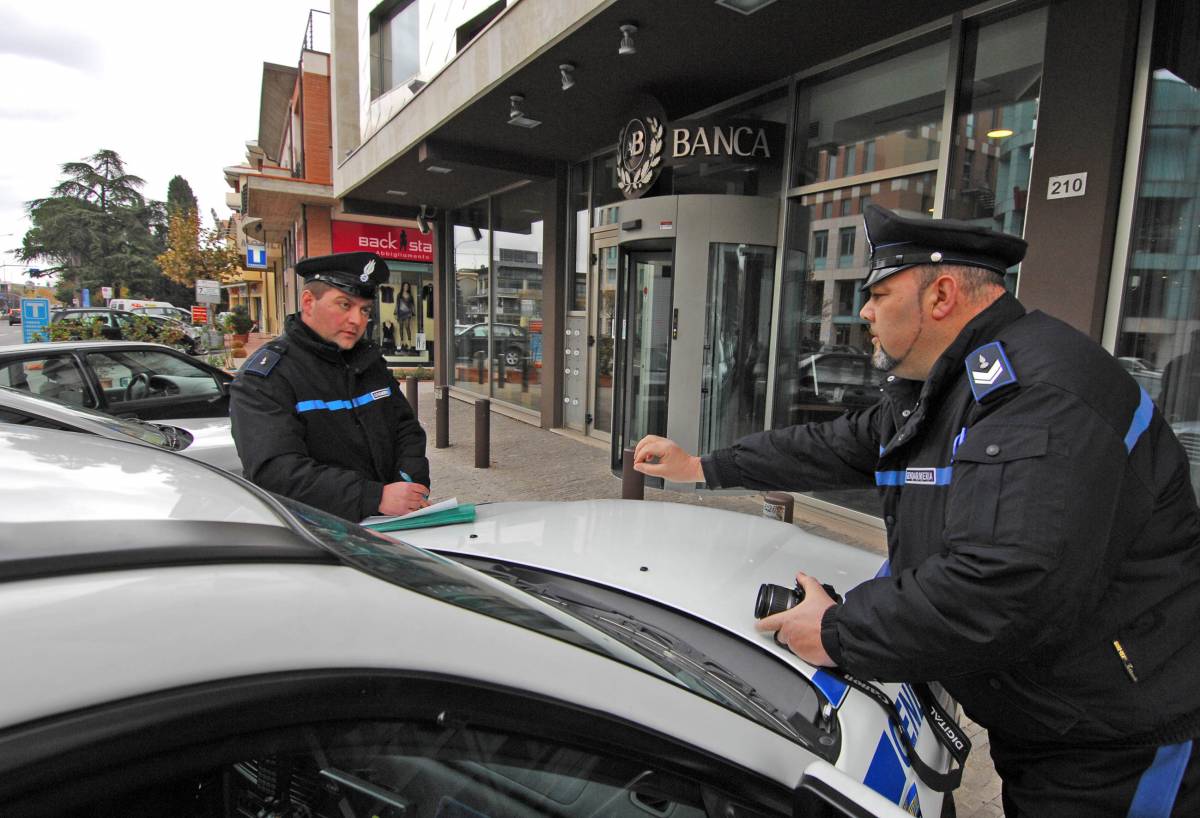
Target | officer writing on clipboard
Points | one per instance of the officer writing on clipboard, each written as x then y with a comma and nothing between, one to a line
1043,536
316,414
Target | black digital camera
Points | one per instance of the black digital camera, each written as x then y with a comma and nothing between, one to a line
773,599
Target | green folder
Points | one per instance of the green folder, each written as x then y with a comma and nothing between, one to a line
464,513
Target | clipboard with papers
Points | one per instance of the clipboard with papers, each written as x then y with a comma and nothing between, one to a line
447,512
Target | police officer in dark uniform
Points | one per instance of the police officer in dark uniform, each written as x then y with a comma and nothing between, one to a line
316,414
1043,537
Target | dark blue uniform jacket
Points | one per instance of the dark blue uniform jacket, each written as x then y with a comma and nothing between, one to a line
1044,540
324,427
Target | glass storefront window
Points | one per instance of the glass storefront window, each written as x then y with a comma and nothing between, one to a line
1158,339
403,322
579,238
606,195
606,337
472,287
890,113
992,149
823,363
518,322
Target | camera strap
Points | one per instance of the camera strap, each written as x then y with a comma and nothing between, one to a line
945,729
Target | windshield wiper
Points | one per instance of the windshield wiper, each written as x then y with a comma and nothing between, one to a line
660,646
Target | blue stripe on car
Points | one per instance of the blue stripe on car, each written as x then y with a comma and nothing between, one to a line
886,773
834,688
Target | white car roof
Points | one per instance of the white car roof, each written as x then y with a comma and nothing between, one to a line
64,477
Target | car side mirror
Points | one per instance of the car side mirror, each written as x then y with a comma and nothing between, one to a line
827,792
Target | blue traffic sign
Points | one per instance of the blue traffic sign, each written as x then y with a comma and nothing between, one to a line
35,318
256,258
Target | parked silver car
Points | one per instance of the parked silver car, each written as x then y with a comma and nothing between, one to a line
205,439
123,378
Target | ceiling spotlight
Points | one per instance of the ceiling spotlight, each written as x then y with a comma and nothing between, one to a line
423,217
568,75
627,46
1000,133
517,117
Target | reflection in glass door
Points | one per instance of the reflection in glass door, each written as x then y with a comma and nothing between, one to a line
605,333
647,346
737,337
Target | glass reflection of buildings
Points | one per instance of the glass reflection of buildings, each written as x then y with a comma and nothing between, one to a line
1162,299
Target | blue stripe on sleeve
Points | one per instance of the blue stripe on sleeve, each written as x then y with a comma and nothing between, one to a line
335,405
1140,422
1159,785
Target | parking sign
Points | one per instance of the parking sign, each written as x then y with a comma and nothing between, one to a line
256,257
35,318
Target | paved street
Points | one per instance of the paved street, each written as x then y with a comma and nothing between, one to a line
10,335
528,463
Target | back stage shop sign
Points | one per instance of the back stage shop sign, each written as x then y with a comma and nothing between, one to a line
648,143
389,241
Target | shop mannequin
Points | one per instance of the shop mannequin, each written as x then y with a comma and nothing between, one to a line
405,314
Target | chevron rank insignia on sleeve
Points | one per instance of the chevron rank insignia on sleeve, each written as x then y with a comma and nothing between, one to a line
988,369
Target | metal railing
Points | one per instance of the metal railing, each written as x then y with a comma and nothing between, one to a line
317,36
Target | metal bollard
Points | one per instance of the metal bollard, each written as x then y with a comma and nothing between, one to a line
524,374
778,505
483,433
633,482
480,369
442,405
410,392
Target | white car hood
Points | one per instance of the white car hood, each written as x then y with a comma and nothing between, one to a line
702,561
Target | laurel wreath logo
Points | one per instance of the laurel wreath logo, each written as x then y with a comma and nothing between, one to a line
628,181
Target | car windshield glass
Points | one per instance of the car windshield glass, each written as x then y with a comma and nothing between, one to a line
595,622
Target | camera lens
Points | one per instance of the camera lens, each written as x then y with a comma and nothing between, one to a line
775,598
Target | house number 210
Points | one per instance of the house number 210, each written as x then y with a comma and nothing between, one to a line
1064,187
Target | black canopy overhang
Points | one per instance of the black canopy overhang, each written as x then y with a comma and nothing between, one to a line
691,55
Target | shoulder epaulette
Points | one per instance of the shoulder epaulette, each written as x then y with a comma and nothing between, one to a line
263,360
988,369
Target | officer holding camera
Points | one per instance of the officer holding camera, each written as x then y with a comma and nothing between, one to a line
1043,537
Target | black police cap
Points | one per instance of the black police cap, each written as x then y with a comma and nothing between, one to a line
356,273
898,243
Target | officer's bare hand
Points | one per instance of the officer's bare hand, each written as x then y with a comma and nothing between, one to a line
401,498
660,457
800,627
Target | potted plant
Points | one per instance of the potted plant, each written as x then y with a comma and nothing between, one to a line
238,323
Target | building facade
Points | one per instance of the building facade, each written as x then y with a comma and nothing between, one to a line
285,211
648,212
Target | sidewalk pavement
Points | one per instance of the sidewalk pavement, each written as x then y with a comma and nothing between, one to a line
530,463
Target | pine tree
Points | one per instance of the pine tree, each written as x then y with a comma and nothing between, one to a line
96,228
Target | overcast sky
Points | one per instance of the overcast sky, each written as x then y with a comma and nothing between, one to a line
173,87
